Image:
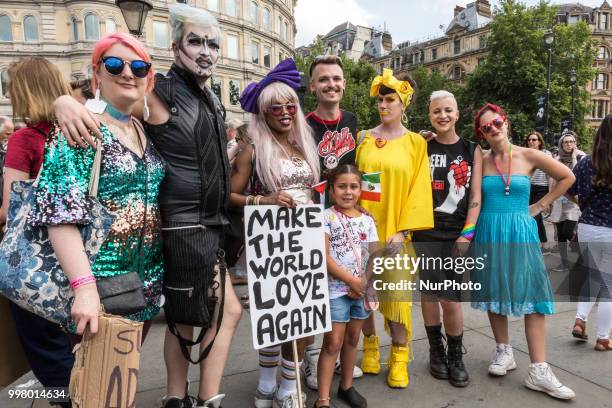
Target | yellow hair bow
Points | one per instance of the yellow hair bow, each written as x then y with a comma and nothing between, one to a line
403,88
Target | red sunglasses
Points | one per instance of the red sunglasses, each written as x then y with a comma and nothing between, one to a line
498,122
277,110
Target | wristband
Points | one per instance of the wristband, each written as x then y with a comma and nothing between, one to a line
468,231
83,280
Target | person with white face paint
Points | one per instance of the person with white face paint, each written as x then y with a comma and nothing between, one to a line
185,121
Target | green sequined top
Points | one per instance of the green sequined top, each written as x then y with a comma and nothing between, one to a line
128,187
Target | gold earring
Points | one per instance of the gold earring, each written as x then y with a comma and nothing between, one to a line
404,118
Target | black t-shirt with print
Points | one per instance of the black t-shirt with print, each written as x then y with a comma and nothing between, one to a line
335,140
451,170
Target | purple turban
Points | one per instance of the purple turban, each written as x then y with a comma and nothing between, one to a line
285,72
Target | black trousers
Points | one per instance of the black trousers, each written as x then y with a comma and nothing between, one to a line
565,232
46,347
537,192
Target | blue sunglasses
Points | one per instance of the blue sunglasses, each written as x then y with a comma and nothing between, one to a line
115,65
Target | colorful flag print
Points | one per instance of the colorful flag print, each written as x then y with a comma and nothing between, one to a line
370,187
320,188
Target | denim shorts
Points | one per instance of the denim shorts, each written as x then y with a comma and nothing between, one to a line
344,309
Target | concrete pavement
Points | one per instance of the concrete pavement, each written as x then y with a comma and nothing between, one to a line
577,365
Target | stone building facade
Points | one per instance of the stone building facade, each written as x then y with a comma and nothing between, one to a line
353,41
454,54
257,34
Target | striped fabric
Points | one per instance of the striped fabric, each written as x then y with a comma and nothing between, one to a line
269,356
539,178
288,370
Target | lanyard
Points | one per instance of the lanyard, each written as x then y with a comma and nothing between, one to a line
499,171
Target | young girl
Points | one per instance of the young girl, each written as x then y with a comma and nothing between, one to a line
346,231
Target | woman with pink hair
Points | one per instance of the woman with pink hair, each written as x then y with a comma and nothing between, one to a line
279,168
130,173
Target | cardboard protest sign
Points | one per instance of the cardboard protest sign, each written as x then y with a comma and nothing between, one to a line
287,272
106,366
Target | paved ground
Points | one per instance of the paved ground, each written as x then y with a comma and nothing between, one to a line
588,372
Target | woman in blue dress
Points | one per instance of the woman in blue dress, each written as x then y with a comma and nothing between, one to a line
514,280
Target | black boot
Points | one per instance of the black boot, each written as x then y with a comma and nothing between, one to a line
437,353
458,375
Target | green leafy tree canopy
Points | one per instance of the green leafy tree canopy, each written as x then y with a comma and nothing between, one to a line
514,72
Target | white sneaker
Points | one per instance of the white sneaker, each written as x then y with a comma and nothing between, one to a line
357,372
290,401
264,400
309,368
503,361
541,378
214,402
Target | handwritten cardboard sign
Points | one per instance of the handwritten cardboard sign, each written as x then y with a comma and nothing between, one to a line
105,372
285,252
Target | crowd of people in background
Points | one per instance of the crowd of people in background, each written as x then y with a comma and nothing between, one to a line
176,175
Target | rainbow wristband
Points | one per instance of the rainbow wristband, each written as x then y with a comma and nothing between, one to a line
468,231
83,280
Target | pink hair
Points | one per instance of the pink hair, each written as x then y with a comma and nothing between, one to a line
268,149
125,39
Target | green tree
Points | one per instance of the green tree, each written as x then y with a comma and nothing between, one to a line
358,75
234,92
514,72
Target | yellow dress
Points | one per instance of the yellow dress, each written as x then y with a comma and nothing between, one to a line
406,200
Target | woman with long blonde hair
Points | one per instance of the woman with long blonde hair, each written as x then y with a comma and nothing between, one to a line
34,83
279,168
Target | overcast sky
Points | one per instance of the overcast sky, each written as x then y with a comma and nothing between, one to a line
405,19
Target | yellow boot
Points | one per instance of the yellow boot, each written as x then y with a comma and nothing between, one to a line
370,363
398,367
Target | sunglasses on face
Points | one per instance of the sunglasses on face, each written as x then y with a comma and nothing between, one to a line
115,65
277,110
533,140
498,123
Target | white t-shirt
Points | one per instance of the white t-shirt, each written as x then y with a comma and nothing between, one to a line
362,230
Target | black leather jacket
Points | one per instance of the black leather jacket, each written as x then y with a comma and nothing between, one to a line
193,142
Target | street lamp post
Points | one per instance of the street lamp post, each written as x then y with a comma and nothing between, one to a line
573,79
549,39
134,13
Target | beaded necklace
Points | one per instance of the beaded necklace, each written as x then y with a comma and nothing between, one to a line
499,171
